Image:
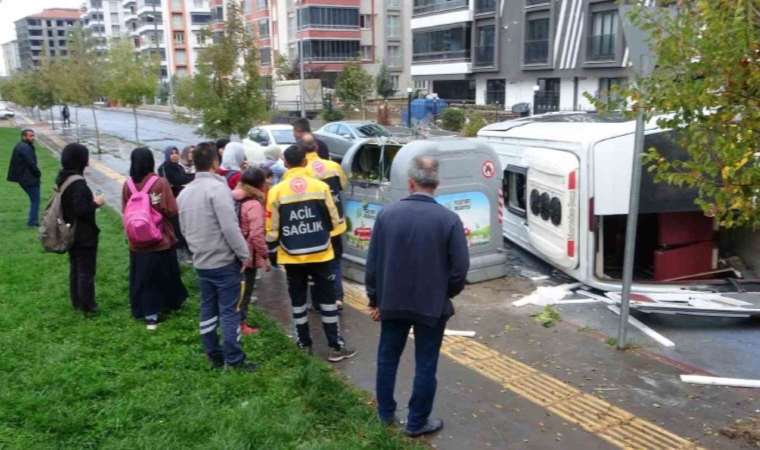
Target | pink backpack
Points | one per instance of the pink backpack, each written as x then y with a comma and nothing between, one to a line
142,223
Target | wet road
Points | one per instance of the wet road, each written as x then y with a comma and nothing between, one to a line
153,131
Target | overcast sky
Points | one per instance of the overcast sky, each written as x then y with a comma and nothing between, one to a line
12,10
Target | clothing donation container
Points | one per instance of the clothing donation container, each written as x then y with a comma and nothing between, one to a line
470,185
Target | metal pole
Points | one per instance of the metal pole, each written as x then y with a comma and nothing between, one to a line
158,47
409,110
630,229
300,84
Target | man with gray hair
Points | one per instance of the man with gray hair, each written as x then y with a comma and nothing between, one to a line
417,262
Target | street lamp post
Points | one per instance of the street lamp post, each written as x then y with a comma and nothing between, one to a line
409,92
300,83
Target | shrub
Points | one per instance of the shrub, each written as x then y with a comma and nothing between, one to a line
474,123
331,115
452,119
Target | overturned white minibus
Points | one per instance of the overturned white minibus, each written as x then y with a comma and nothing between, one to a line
566,188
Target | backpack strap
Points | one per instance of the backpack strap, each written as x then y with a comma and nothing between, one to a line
131,186
69,181
149,184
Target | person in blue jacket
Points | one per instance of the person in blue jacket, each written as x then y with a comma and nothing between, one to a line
418,261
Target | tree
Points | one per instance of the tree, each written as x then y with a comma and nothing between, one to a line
353,85
706,85
384,83
44,87
130,77
226,90
83,85
284,69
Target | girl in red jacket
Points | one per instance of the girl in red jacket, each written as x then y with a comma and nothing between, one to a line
250,197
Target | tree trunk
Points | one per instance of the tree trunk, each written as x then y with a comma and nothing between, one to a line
76,119
97,130
134,113
52,118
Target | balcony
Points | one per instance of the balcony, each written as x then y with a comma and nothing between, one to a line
437,6
537,52
485,6
601,47
536,2
485,56
452,55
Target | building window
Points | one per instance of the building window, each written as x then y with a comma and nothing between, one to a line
393,27
485,6
177,5
179,37
200,38
264,29
326,17
178,22
201,19
536,2
601,40
431,6
292,26
495,90
366,52
421,85
61,33
265,55
515,179
546,98
447,43
485,45
609,89
394,56
365,21
537,39
218,14
261,4
199,4
395,82
393,4
115,29
324,50
180,58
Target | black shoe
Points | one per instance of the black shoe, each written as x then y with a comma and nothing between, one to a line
306,349
245,366
432,426
389,421
92,312
337,355
217,362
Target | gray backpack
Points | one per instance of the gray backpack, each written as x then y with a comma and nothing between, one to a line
56,235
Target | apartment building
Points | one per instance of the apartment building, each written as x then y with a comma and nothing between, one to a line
44,32
173,28
331,33
545,53
104,20
11,57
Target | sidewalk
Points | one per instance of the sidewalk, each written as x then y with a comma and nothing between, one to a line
520,385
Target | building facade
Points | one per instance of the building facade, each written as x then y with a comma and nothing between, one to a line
104,19
11,57
542,53
46,32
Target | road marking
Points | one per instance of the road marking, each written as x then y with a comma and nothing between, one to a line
107,171
615,425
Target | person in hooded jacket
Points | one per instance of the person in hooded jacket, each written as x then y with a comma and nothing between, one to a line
186,159
78,206
233,163
173,171
250,197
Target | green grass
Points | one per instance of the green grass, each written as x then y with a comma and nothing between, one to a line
76,383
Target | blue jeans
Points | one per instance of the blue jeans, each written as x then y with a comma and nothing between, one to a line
220,289
34,204
427,346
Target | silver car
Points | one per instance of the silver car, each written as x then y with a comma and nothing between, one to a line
6,112
340,136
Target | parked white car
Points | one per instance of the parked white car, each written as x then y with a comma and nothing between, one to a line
6,112
264,137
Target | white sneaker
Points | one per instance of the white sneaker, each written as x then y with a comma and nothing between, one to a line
151,325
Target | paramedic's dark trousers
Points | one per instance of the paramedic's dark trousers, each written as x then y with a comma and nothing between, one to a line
220,289
322,294
427,347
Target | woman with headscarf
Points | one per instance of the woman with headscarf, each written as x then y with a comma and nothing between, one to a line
174,173
78,206
154,277
233,163
186,159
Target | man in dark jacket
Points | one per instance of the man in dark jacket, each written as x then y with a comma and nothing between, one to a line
418,260
24,171
301,128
